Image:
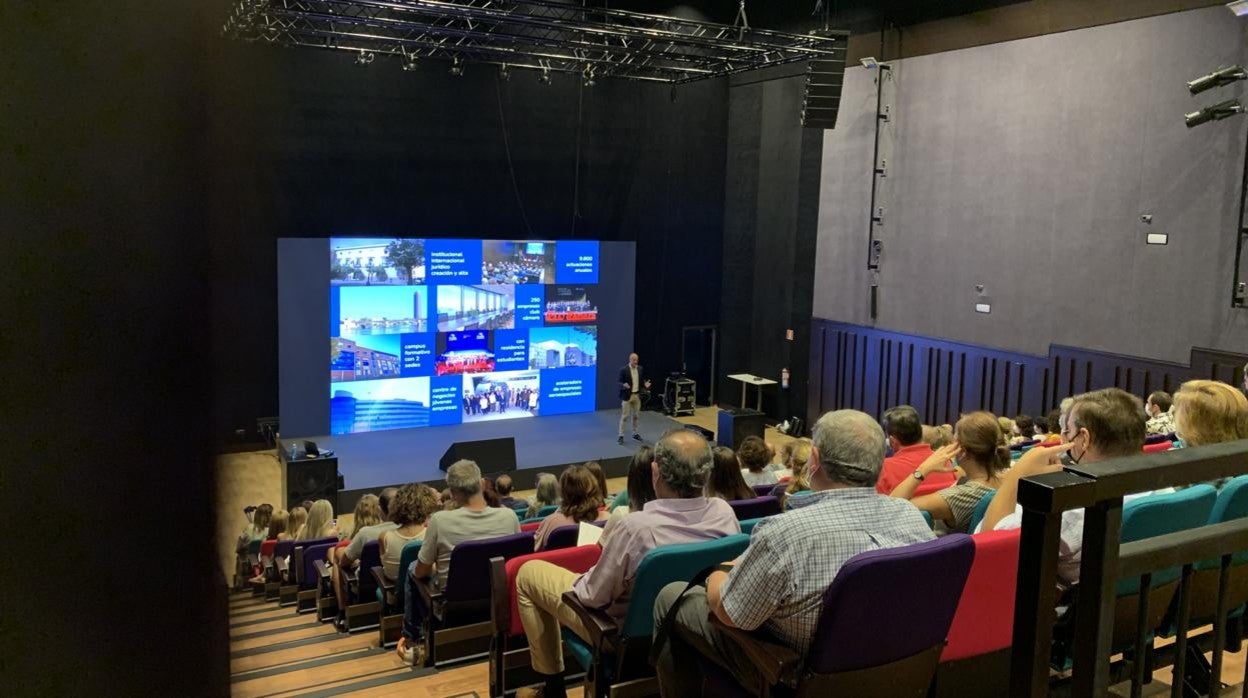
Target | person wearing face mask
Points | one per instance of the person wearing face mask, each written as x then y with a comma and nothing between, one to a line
1160,416
1100,425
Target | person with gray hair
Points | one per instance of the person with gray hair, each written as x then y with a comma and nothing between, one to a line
680,514
472,519
780,579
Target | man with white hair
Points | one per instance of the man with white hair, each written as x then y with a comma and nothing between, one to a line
471,520
779,581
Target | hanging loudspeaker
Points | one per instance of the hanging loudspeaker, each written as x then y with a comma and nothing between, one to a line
822,98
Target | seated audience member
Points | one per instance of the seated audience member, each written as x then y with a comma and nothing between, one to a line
798,454
370,521
1006,424
1024,430
279,526
779,582
1100,425
724,478
320,521
471,519
754,456
448,502
546,493
639,490
905,437
1210,412
1160,417
492,498
1044,432
503,486
298,517
937,436
680,514
595,468
410,511
980,450
579,500
258,529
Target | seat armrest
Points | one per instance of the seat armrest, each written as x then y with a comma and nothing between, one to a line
386,584
429,590
775,662
602,628
322,569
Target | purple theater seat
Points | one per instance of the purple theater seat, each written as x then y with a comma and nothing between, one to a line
763,490
755,508
875,635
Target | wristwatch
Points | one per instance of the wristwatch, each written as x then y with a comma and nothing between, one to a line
918,475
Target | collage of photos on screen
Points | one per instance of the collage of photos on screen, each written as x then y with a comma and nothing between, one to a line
501,395
376,261
517,262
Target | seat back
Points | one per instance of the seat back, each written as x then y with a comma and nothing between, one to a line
984,619
673,563
266,547
747,526
755,508
406,557
283,548
927,516
469,578
1156,439
297,565
873,595
311,553
1157,447
763,490
981,508
1159,514
547,511
576,559
253,550
1232,501
370,557
530,525
562,537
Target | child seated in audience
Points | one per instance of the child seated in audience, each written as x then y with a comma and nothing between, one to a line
547,493
935,437
724,479
320,521
279,526
639,490
298,517
754,456
796,459
979,450
579,501
410,510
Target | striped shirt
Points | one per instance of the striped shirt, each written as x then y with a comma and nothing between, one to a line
778,583
962,499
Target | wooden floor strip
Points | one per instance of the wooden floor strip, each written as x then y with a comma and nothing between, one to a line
283,622
279,646
305,664
324,677
267,638
301,651
287,610
299,622
370,684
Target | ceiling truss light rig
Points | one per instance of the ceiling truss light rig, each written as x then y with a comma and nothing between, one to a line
542,35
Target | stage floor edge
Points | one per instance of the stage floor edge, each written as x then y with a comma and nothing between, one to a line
377,459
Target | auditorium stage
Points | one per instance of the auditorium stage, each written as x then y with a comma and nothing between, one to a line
377,459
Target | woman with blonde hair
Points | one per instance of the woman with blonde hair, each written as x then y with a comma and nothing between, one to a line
547,493
278,526
980,450
367,513
579,501
1209,412
298,517
320,522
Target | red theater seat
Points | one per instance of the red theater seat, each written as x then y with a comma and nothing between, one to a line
1157,447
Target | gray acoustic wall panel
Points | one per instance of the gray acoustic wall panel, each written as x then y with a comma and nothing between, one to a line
1025,166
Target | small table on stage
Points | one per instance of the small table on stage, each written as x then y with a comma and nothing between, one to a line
751,379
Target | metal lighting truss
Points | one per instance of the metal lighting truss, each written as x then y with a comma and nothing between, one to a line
544,35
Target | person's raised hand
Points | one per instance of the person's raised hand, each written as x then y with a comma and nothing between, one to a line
939,460
1041,459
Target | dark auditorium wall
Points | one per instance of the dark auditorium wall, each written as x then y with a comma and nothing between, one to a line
1025,166
308,144
107,474
771,206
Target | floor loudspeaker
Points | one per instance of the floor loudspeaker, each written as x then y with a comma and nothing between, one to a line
311,478
491,455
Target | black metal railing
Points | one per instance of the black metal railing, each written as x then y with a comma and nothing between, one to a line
1098,488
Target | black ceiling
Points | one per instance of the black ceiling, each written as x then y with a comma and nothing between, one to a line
858,16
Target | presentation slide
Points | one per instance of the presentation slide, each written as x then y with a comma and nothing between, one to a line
427,332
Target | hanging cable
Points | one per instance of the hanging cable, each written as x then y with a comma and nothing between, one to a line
511,169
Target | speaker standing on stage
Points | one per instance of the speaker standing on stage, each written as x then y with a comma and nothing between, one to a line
632,381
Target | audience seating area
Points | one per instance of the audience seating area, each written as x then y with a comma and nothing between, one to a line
954,596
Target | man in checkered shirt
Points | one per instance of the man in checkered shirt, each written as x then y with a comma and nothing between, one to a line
778,583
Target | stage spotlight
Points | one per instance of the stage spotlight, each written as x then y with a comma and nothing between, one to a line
457,68
869,63
544,78
504,72
365,57
587,76
1239,7
409,63
1217,112
1218,78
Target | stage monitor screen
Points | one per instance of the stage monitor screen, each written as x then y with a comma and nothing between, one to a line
431,331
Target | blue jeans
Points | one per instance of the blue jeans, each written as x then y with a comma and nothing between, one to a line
414,610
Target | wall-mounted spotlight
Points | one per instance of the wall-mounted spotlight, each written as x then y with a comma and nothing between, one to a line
870,63
365,57
457,68
409,62
1218,78
544,78
1217,112
504,72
